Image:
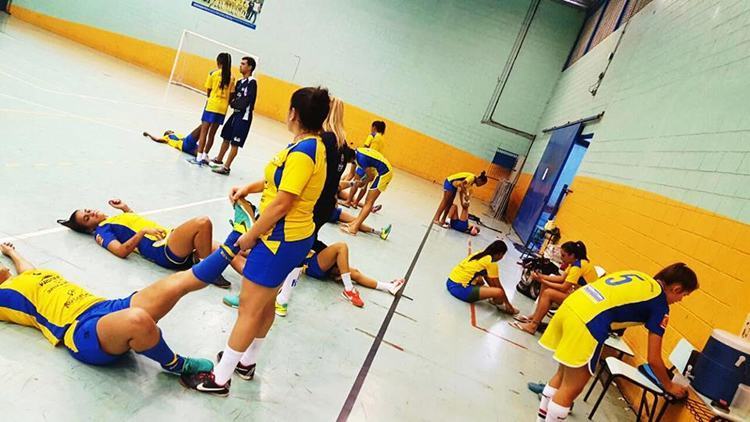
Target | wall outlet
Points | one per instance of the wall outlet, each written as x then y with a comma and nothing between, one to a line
745,333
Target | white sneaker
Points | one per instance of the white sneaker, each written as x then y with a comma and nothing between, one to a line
396,285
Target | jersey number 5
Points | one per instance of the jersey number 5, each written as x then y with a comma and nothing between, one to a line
624,278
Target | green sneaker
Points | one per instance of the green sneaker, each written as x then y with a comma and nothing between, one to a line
233,301
244,216
196,365
385,231
282,309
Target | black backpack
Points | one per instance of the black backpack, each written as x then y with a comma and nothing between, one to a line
528,287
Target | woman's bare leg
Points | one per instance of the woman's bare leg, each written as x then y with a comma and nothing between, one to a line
202,138
372,196
127,329
192,235
447,198
210,138
160,297
363,280
222,150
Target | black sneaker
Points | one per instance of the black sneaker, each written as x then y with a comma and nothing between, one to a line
222,283
247,373
221,170
204,383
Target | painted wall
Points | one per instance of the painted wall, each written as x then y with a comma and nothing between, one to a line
429,66
667,175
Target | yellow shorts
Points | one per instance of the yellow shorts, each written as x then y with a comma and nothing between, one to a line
571,341
381,182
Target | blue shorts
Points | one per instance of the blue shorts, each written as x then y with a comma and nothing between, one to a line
269,269
469,294
211,117
460,225
448,186
189,144
163,256
336,215
86,347
313,268
236,129
360,172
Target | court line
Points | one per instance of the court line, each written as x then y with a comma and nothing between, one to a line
475,325
394,345
346,409
61,229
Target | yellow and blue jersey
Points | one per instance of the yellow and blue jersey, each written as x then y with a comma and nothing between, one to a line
186,144
122,227
468,269
367,158
456,178
299,169
376,142
43,299
218,100
620,300
581,273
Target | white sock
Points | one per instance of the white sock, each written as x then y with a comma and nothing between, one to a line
205,156
251,354
347,279
285,294
547,394
556,413
384,286
224,369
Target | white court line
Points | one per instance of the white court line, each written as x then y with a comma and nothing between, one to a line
92,97
61,229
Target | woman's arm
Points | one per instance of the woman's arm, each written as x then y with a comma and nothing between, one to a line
277,209
19,262
122,250
238,192
660,369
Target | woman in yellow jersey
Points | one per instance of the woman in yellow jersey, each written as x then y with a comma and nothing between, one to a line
375,139
456,183
128,232
372,168
555,288
278,241
467,279
219,84
95,331
186,144
583,322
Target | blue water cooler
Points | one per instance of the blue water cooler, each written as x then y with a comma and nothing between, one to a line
723,364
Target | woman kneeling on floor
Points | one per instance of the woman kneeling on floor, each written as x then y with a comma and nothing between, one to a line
467,280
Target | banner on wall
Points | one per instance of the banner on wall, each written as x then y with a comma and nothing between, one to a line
243,12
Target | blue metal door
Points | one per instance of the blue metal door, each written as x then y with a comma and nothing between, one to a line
544,180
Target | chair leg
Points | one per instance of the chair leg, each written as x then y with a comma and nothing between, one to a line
601,396
653,409
596,379
640,405
663,410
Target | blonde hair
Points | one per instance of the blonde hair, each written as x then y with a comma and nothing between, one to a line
335,120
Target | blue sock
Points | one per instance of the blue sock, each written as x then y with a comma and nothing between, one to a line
161,353
211,268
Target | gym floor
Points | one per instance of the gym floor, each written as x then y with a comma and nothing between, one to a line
72,119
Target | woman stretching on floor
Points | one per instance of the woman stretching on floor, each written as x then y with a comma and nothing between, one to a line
341,216
460,222
96,331
456,183
467,280
367,159
128,232
555,288
186,144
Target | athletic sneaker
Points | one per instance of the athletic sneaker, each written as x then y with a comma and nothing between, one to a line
536,387
233,301
221,170
222,283
196,365
195,161
204,382
204,162
216,161
282,309
396,285
385,231
377,208
243,215
247,373
353,297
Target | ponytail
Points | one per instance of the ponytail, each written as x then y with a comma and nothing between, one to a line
73,224
481,179
577,249
497,247
225,61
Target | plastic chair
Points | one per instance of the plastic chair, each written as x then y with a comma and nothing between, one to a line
616,368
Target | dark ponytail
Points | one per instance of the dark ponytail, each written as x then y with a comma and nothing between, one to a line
73,224
225,61
481,179
678,273
497,247
577,249
312,106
